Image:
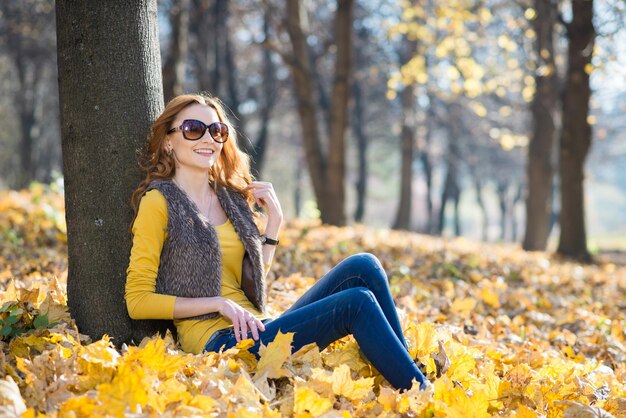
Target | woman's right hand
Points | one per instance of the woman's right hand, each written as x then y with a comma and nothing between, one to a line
242,320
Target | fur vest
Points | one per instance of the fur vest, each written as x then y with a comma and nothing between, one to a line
191,260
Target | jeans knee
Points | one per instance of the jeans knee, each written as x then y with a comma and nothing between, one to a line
361,295
370,268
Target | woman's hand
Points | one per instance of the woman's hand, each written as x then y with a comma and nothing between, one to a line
265,196
242,319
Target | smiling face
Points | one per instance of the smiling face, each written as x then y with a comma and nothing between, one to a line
199,155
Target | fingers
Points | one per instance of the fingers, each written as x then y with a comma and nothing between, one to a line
244,329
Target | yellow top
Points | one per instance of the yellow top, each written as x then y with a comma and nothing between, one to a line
149,234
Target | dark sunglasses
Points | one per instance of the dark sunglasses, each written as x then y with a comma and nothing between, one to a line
194,129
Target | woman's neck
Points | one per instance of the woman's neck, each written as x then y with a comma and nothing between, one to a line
196,185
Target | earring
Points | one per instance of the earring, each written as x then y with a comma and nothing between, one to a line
168,152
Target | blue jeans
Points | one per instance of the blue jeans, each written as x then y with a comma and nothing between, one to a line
352,298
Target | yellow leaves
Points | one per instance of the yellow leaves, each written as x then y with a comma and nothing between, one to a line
341,383
154,356
11,402
274,356
522,331
307,400
463,306
452,400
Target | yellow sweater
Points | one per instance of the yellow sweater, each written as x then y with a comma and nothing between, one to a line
149,234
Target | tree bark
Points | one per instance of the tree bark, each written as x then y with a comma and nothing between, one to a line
339,112
502,188
451,190
539,169
576,131
407,138
268,102
358,127
103,48
174,68
327,173
478,187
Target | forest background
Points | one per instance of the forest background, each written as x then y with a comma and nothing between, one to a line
440,109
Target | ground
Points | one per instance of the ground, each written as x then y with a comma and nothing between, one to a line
526,334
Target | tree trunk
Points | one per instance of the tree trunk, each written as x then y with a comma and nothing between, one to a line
540,151
174,68
403,215
516,199
103,48
28,75
339,112
204,46
407,138
451,189
269,100
327,174
478,187
501,189
576,132
358,127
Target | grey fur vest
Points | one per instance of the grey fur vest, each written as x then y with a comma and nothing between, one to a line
191,259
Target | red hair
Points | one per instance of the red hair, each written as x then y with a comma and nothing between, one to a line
232,169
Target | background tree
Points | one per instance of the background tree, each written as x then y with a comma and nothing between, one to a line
327,169
576,131
27,38
111,91
540,161
174,74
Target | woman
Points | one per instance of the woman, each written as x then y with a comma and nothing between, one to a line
194,227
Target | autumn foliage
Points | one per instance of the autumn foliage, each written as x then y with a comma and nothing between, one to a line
526,335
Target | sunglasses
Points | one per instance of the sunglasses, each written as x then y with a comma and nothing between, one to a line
194,129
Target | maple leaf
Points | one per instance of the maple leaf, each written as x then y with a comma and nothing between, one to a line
11,402
307,400
341,382
579,410
455,402
275,356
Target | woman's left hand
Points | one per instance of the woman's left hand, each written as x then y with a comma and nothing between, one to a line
265,196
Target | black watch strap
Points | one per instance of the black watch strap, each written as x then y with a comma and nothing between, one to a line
269,241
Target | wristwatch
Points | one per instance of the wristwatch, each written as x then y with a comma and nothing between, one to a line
268,241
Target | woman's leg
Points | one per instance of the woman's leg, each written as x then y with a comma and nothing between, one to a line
359,270
353,311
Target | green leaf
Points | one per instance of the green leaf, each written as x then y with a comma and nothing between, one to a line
41,321
14,310
11,320
6,330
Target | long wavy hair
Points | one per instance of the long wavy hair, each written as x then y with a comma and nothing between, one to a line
232,168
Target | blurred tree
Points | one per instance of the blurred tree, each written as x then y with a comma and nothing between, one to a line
175,63
327,170
407,136
540,160
103,48
576,131
217,66
27,36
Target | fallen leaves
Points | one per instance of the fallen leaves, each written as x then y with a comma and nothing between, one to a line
500,332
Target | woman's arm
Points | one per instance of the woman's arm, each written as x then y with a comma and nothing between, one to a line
149,232
265,196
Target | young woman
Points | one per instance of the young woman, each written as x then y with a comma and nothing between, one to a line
198,258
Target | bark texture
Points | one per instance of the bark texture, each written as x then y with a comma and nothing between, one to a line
576,131
407,138
541,149
110,92
174,67
327,172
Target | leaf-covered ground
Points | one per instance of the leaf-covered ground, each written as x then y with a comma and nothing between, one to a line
526,335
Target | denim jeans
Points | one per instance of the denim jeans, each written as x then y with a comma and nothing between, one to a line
352,298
